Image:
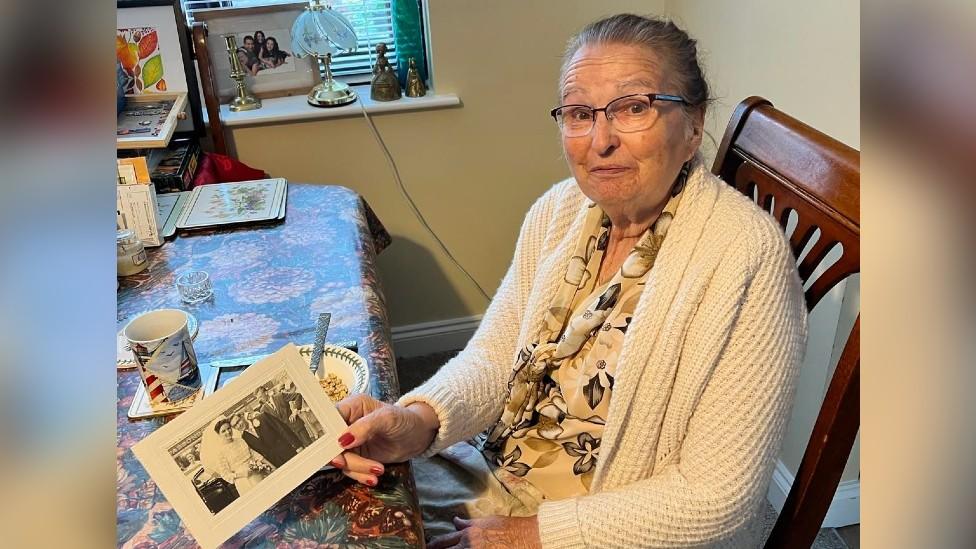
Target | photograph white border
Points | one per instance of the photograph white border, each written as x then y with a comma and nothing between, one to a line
211,530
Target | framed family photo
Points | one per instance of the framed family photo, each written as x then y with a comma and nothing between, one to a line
241,449
152,48
263,36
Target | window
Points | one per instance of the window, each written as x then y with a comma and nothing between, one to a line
372,19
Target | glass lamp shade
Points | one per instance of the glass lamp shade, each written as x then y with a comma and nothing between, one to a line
320,31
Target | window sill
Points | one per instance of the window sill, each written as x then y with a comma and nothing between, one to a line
295,108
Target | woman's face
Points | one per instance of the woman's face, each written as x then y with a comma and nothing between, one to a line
259,36
225,431
626,170
271,44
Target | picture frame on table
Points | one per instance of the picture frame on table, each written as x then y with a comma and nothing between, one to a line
231,456
270,75
152,46
222,372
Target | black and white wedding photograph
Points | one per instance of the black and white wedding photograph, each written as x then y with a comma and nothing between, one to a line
239,448
242,448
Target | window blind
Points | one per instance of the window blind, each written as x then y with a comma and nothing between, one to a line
372,20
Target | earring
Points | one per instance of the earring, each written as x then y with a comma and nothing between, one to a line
679,182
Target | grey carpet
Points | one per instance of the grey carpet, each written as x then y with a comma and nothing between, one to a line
415,370
827,538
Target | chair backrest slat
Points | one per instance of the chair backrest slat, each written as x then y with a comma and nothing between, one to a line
810,183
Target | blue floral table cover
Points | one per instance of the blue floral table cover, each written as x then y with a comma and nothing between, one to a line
270,283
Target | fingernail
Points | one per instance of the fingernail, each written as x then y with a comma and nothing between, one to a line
376,470
371,482
335,463
346,439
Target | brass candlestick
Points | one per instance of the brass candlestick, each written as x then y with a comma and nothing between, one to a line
244,100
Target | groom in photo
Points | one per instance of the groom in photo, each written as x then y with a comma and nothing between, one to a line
274,436
242,422
280,399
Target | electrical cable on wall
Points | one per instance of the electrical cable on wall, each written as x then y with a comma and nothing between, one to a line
413,206
403,189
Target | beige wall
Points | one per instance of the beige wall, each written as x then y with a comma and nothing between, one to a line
474,170
802,56
805,58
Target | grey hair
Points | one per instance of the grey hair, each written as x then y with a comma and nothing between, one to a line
677,50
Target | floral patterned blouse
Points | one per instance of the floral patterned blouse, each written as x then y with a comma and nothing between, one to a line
550,432
581,391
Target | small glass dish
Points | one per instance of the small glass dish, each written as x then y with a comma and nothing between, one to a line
194,286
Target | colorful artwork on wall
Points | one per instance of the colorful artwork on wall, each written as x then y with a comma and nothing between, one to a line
138,51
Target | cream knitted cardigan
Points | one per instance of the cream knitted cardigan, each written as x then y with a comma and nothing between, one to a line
704,384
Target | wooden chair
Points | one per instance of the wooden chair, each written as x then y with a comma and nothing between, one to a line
787,166
208,82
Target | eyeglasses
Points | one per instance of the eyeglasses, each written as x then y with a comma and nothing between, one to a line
630,113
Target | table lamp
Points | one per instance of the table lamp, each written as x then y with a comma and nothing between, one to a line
321,32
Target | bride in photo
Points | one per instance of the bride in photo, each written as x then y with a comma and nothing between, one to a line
225,453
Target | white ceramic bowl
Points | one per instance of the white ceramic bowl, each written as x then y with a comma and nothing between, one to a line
347,365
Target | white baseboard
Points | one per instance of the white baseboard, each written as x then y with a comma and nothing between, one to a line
433,337
845,509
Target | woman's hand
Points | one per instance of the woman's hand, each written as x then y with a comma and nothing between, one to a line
381,433
507,532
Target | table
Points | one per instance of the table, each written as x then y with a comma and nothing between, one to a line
270,283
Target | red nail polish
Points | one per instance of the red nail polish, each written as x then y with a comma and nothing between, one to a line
376,470
346,439
335,464
370,482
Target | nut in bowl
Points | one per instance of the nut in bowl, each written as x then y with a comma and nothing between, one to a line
341,371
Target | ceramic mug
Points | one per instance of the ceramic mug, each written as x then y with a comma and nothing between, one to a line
163,350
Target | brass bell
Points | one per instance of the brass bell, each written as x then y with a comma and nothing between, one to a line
385,85
415,84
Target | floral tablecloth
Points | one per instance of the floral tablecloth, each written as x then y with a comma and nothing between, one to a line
270,283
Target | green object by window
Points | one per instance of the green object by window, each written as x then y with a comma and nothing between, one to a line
409,36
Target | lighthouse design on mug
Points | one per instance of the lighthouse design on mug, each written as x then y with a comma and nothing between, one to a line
163,350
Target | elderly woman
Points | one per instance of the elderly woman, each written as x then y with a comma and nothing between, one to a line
633,376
